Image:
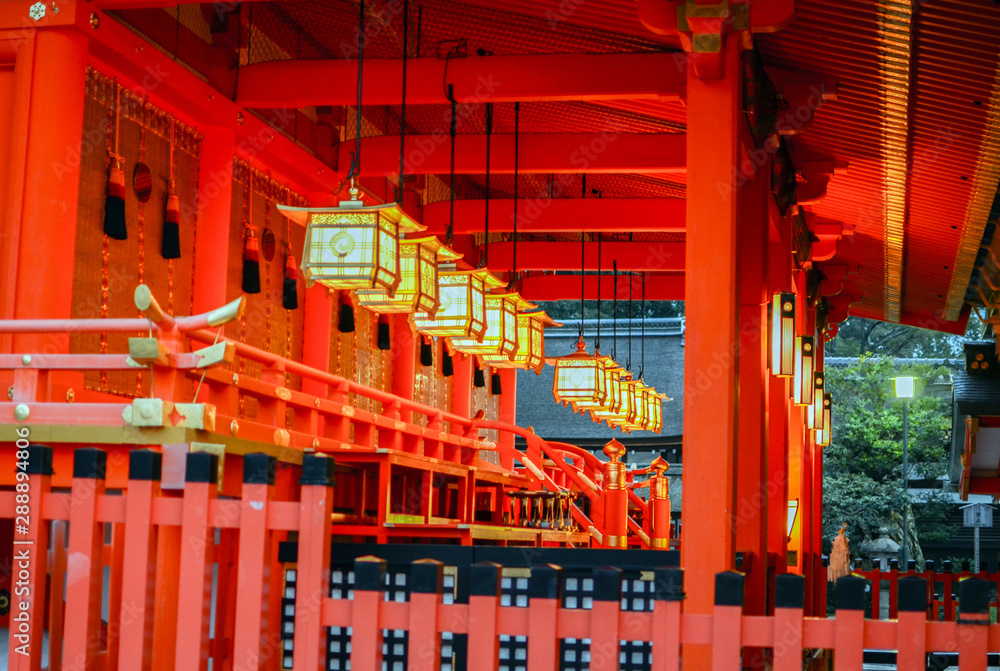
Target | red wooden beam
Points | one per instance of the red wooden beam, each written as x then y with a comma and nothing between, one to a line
659,287
660,215
537,77
543,152
631,256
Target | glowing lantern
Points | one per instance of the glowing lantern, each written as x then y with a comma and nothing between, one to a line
418,286
782,312
462,312
823,435
625,415
654,409
501,337
802,388
609,407
530,352
579,378
814,414
640,392
352,246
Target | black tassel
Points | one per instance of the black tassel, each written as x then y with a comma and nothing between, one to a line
251,263
384,337
426,353
478,377
170,246
346,322
447,364
114,205
495,387
290,288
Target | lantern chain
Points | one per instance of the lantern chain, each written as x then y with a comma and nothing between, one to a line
356,154
597,343
642,340
402,110
517,139
451,180
486,225
628,362
614,312
583,277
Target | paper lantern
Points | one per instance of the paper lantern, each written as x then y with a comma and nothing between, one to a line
802,387
462,310
814,413
640,391
579,378
352,246
654,409
500,338
418,285
624,417
609,408
530,352
823,435
782,353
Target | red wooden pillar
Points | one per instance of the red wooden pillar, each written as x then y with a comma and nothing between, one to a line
317,309
508,412
313,577
215,194
707,548
751,506
42,178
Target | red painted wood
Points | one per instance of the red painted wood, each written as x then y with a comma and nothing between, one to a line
543,646
253,552
28,566
138,577
84,576
191,648
313,576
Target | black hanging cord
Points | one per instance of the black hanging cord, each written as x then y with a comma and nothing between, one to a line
628,363
402,110
356,154
614,310
642,310
451,183
597,344
486,226
517,137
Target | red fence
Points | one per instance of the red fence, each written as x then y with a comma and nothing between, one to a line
160,588
942,588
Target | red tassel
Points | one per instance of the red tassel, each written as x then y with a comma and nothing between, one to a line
114,205
170,247
251,263
289,296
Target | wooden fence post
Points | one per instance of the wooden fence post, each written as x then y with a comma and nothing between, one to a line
605,639
366,630
973,624
544,597
424,653
911,636
484,600
668,590
727,619
31,547
789,611
312,581
135,648
191,647
254,550
849,627
85,572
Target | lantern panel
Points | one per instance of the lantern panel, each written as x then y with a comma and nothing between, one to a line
823,435
579,378
530,352
814,414
500,337
802,388
782,353
418,287
461,314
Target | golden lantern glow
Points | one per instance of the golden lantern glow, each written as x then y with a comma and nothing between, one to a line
352,246
462,310
418,285
823,435
530,352
782,353
624,417
579,379
802,387
501,336
610,408
654,409
814,414
640,393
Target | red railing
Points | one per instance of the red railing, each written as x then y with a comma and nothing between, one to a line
942,589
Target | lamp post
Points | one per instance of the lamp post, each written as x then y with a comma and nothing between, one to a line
904,390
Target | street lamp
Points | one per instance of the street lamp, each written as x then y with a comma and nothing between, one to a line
904,390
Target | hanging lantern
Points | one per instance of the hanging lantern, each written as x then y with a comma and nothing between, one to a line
501,337
814,413
823,435
352,246
625,416
418,283
530,352
609,407
802,387
782,313
654,409
579,378
640,392
462,309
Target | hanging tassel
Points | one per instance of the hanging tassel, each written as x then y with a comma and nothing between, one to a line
170,247
426,353
384,335
495,387
251,262
345,324
290,289
478,377
114,204
447,364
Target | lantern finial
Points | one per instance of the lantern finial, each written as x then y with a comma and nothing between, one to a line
659,465
614,450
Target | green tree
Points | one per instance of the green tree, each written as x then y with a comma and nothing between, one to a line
863,483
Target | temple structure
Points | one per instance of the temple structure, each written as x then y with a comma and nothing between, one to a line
267,286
